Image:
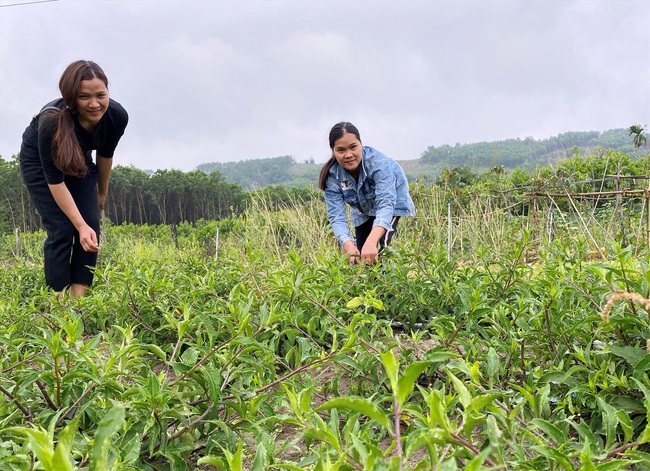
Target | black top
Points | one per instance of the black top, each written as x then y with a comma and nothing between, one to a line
37,138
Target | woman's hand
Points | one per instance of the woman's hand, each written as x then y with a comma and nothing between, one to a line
352,251
87,235
88,239
369,252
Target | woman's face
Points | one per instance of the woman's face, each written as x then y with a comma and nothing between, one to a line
92,102
347,152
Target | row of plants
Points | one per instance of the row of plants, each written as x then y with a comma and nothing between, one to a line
268,351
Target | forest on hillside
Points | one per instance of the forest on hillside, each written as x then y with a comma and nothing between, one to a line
171,196
525,153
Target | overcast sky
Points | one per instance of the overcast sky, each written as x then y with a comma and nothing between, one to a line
223,81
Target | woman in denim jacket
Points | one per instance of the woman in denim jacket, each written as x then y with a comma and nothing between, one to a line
373,185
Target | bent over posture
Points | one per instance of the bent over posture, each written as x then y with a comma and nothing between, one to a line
372,185
66,186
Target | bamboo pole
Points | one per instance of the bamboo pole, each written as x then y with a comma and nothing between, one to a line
647,201
594,193
17,233
448,230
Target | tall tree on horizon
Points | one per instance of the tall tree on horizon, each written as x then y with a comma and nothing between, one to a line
640,139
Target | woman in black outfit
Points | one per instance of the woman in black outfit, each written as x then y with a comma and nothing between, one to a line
67,187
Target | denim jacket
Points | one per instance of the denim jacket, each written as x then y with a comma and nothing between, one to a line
382,191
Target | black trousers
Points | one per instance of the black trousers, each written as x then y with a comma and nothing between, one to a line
363,231
66,262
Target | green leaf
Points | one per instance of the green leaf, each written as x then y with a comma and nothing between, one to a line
493,432
391,367
358,404
557,435
480,402
463,393
438,355
212,380
584,431
493,363
645,436
639,457
261,461
235,461
61,459
529,397
642,368
64,445
304,400
553,455
110,424
476,463
626,425
40,443
632,355
425,437
435,401
563,377
354,303
631,405
610,420
407,381
212,461
586,463
156,350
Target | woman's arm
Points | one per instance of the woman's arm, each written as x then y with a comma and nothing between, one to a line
339,221
104,165
63,198
369,251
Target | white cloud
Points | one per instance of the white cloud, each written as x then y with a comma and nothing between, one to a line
231,80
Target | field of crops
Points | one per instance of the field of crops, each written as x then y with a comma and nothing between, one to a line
511,350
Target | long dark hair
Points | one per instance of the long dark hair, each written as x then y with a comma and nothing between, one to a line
336,133
66,151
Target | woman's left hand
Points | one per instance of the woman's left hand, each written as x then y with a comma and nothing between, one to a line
369,253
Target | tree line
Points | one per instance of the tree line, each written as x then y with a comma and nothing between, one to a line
138,197
173,196
529,153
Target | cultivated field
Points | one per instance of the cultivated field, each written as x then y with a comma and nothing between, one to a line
496,339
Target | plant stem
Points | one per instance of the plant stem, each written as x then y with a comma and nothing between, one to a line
204,359
622,448
290,374
196,421
23,409
73,407
57,379
46,396
471,447
398,435
330,314
548,326
523,362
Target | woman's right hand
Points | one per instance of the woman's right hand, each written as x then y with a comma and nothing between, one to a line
353,253
88,239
